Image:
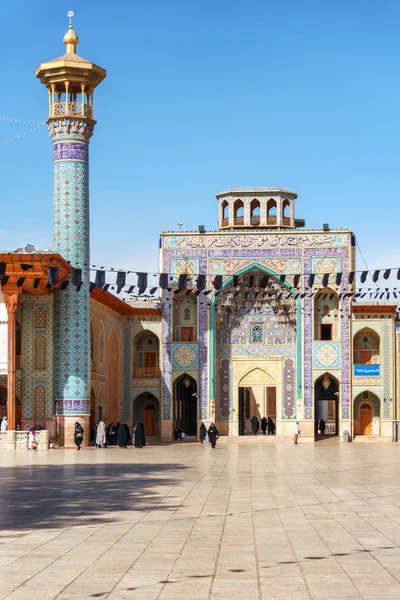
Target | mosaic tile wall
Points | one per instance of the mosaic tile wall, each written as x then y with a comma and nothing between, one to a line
386,370
71,239
30,376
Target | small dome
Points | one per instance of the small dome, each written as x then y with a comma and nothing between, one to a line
71,38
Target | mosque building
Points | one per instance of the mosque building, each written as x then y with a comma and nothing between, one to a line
258,318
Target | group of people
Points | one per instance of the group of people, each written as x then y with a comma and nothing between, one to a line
267,425
119,434
211,434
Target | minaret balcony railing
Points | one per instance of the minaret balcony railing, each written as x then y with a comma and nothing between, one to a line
71,109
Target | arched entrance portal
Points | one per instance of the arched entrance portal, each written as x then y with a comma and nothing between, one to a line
326,396
185,404
257,396
367,407
146,410
3,406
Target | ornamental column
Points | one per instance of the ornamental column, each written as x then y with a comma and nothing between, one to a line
11,300
71,80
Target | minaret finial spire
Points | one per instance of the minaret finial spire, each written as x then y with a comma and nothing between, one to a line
70,15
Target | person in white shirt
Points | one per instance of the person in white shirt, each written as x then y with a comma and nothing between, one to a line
4,424
296,432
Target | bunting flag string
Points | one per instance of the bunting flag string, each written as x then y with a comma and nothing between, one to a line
34,124
304,283
310,277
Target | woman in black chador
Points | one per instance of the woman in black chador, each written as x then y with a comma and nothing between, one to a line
213,435
263,425
271,426
140,441
255,425
202,432
322,426
127,434
78,435
122,438
111,434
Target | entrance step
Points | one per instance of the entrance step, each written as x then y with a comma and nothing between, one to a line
368,438
152,441
252,439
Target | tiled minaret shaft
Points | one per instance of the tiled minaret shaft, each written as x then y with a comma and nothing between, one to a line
71,81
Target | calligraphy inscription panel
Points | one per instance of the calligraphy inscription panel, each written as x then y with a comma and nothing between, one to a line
251,240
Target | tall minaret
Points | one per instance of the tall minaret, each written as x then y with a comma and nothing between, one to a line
70,81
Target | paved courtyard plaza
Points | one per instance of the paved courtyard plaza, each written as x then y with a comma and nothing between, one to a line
259,518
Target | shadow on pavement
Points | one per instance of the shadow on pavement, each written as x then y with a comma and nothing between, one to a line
59,496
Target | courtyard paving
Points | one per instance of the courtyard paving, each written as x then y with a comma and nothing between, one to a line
260,519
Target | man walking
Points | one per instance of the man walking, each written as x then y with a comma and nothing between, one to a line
296,432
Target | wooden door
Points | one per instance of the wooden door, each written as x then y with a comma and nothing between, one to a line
366,415
271,406
150,359
365,357
149,421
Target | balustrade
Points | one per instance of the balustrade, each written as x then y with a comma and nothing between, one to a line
146,372
71,109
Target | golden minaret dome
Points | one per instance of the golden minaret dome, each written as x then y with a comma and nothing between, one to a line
70,38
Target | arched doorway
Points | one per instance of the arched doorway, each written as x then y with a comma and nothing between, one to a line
326,395
257,397
367,408
146,410
185,404
3,406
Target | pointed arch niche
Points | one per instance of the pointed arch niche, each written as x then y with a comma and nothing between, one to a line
113,376
366,347
326,315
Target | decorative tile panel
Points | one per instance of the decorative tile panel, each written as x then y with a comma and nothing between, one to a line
288,387
182,266
225,396
184,356
326,355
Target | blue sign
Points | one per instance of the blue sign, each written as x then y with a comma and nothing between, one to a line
367,370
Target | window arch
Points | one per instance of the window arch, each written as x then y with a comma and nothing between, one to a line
40,352
101,345
113,376
146,355
271,212
186,314
238,212
286,212
255,211
326,315
366,347
225,211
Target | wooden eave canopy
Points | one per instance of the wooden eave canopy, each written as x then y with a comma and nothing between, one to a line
375,308
33,266
121,307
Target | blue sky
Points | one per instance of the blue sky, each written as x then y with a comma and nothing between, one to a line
203,96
